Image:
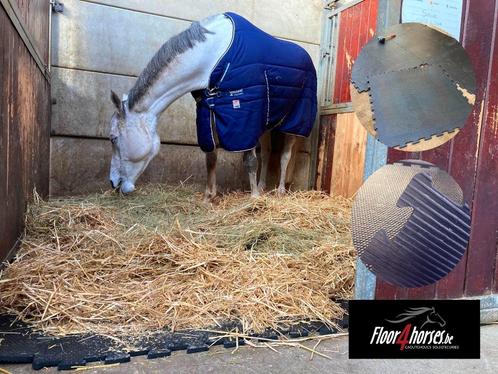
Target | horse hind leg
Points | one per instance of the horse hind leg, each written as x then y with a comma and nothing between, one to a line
210,193
251,164
289,143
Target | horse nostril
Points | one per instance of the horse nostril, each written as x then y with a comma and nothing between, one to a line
114,186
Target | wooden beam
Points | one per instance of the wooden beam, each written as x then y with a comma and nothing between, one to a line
14,14
336,108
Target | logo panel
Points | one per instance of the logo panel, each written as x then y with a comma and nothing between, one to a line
414,329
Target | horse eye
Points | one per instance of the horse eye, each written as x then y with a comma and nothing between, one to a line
114,139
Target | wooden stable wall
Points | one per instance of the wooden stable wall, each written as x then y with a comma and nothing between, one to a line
342,139
104,44
472,159
24,112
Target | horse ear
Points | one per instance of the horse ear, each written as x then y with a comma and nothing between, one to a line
116,100
124,107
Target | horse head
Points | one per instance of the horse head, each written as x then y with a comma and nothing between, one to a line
434,317
134,144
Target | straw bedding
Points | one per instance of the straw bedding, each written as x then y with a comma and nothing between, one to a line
117,265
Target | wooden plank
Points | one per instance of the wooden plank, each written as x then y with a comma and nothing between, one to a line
34,13
84,108
349,155
326,144
15,16
24,132
6,224
482,257
477,40
282,22
82,165
87,26
340,63
355,30
384,290
351,37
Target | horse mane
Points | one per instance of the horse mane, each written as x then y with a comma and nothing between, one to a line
410,313
175,46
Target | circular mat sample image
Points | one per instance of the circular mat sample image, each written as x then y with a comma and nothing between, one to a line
413,87
410,224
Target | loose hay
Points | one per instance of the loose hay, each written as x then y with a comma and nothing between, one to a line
161,259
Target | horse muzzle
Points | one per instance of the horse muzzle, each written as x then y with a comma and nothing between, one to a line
127,187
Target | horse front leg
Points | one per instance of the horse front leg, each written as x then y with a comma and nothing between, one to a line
210,193
251,164
284,161
265,142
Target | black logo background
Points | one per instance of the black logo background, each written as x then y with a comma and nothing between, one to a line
461,319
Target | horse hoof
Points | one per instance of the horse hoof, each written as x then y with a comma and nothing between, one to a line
281,190
261,188
255,195
208,199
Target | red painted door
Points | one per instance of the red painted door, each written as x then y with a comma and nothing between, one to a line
472,159
356,26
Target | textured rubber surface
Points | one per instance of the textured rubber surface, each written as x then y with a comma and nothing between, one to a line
410,225
416,104
421,83
19,344
430,244
414,45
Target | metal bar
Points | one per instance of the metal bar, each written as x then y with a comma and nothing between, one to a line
49,62
13,13
323,78
344,7
334,42
336,108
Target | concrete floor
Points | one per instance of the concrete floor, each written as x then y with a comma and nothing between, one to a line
295,360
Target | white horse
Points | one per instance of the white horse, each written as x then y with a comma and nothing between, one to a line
182,65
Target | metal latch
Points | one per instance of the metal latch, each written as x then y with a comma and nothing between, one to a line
57,7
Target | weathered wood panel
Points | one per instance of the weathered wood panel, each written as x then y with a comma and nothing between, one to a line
482,257
35,13
325,157
84,108
82,165
130,38
349,155
24,132
290,21
79,165
356,27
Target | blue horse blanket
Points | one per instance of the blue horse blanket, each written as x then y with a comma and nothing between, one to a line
261,83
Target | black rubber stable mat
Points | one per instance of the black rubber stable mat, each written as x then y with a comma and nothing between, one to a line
375,207
414,45
430,244
19,344
415,104
421,83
